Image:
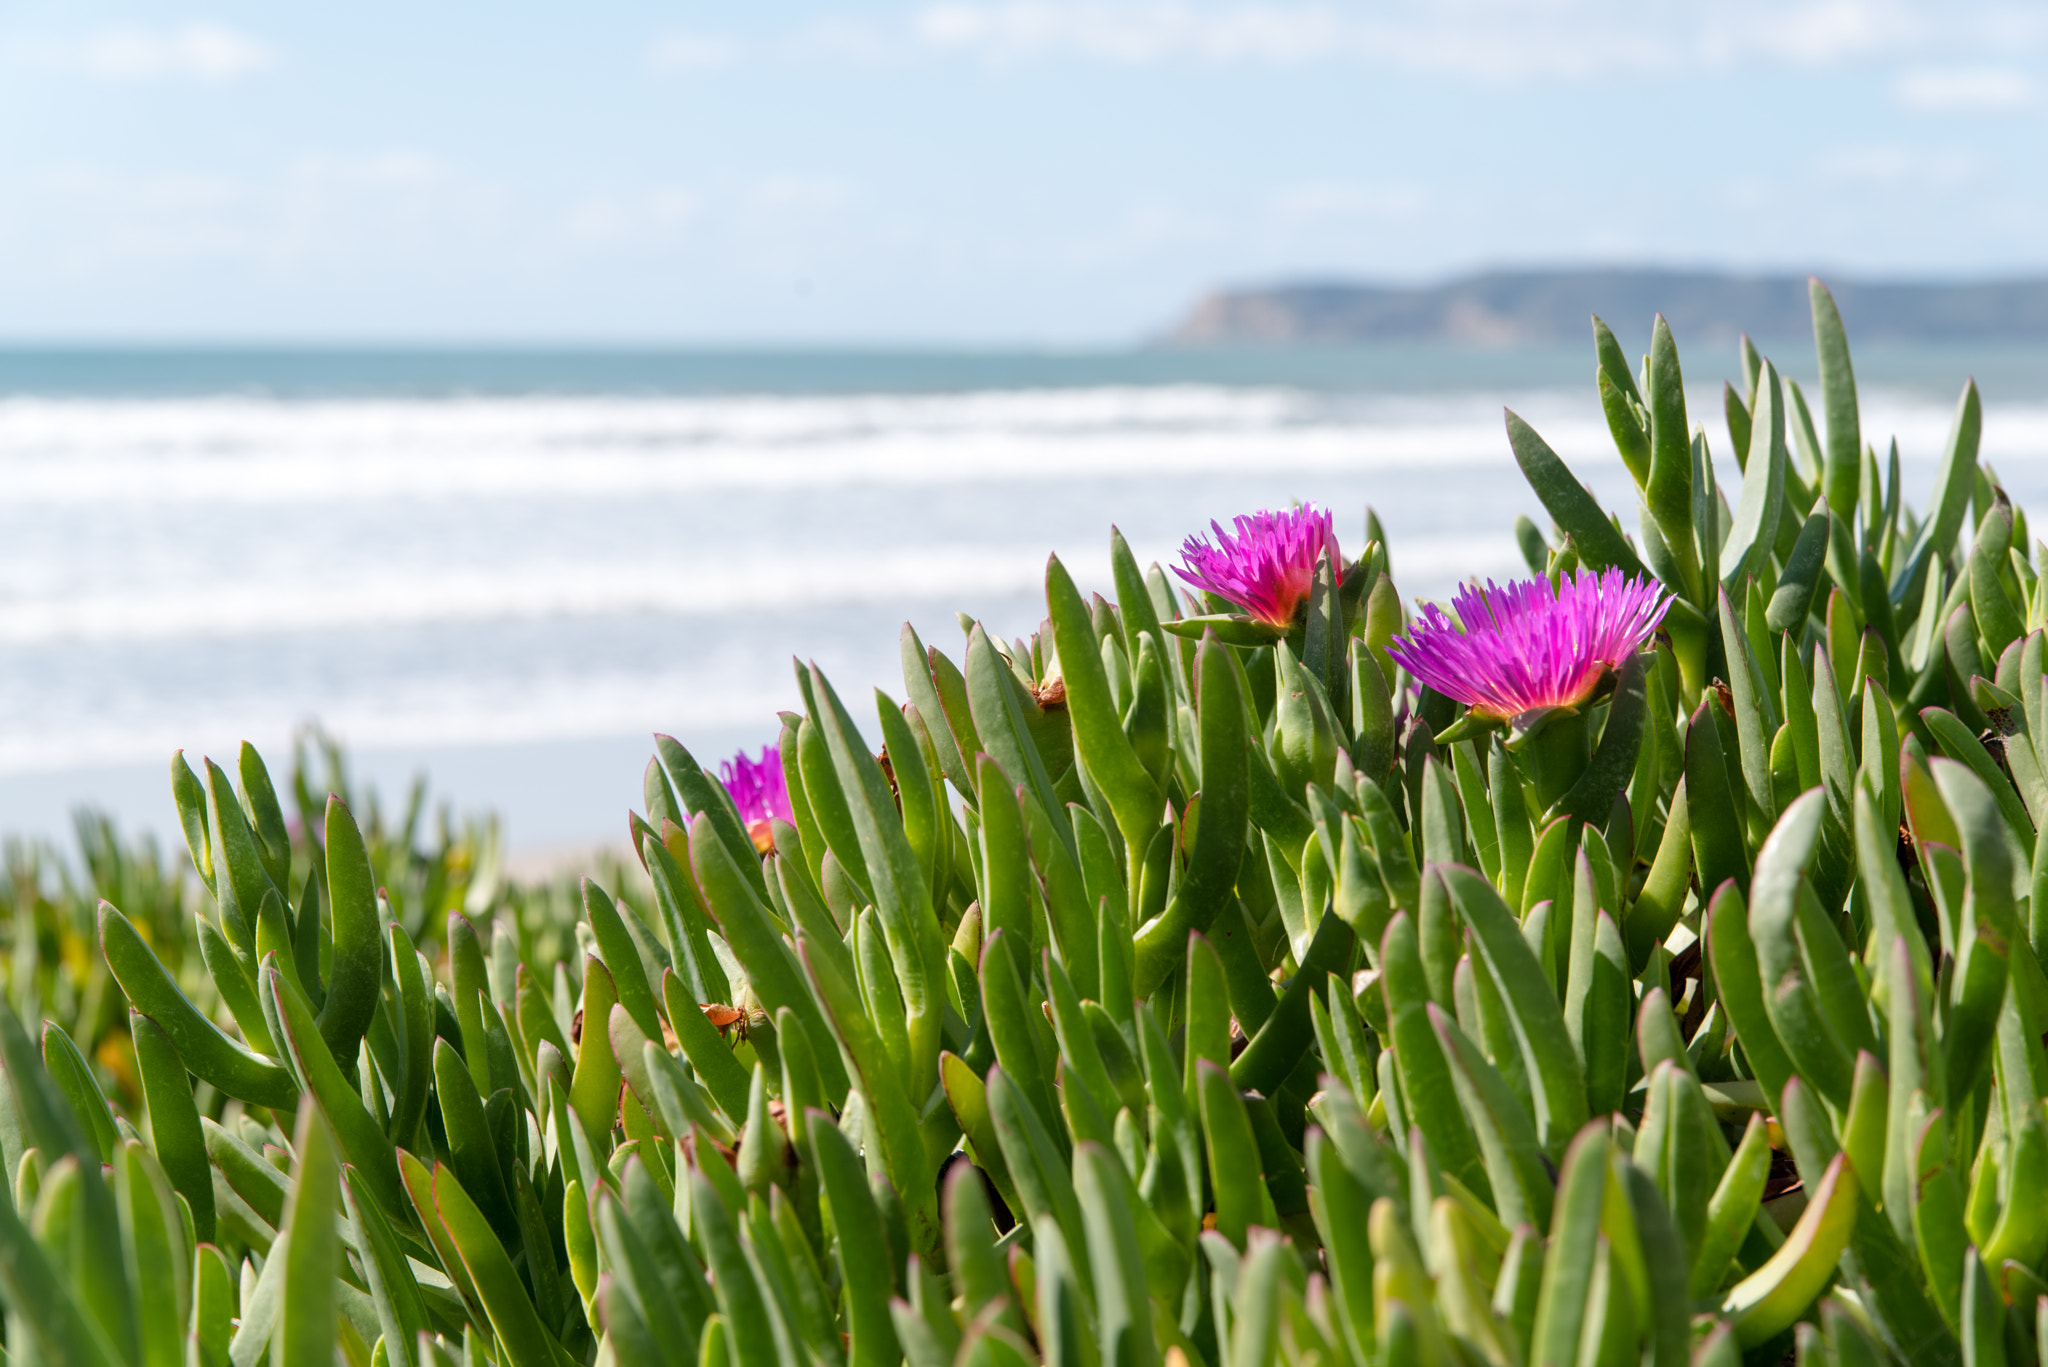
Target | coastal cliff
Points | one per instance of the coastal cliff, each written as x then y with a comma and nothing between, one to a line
1510,308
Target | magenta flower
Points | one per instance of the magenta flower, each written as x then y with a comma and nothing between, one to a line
1266,569
1528,646
757,789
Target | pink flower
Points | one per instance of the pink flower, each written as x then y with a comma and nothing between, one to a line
1528,646
1267,568
757,789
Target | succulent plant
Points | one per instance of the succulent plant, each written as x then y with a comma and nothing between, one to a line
1641,963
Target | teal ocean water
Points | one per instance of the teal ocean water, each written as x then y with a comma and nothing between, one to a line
509,567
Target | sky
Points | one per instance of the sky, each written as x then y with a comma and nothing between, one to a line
1056,172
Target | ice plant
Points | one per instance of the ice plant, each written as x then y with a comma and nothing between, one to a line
1267,567
694,1040
1528,647
757,789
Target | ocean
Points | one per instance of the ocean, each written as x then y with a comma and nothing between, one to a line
508,568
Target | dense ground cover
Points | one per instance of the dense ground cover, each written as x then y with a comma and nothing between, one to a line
1640,963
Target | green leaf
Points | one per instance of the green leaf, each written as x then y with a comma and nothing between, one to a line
1597,1000
1591,798
968,1097
1793,598
354,973
1663,1255
1082,1068
1950,501
1242,1200
637,1275
1217,848
890,1108
621,959
189,796
73,1076
1533,1008
1123,1310
360,1137
416,1015
1838,401
1732,956
1978,987
1630,440
1005,864
1341,1207
1279,1043
902,897
828,804
1040,1173
1755,532
40,1300
522,1336
971,1253
1231,628
213,1296
1719,851
773,972
153,1239
1568,1268
1667,486
992,698
1515,1164
304,1331
924,696
707,801
1426,1084
242,879
1569,502
1015,1028
1754,719
225,1063
1999,622
1817,1051
706,1049
1983,1314
646,1113
1099,738
922,806
742,1304
1765,1303
174,1131
679,1272
401,1309
1661,900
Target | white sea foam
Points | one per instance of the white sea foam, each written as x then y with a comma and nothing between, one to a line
262,451
487,570
254,451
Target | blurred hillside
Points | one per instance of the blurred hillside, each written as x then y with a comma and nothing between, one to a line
1514,308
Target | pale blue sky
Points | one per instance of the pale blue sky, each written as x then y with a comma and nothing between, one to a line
973,170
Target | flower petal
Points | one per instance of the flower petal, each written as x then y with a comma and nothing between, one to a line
1530,645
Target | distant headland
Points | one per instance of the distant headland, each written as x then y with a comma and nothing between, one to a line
1534,307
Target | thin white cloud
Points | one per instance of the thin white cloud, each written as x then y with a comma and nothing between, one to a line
801,193
199,51
1340,202
402,168
1896,165
621,219
1488,39
1153,31
1817,33
682,51
1966,90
